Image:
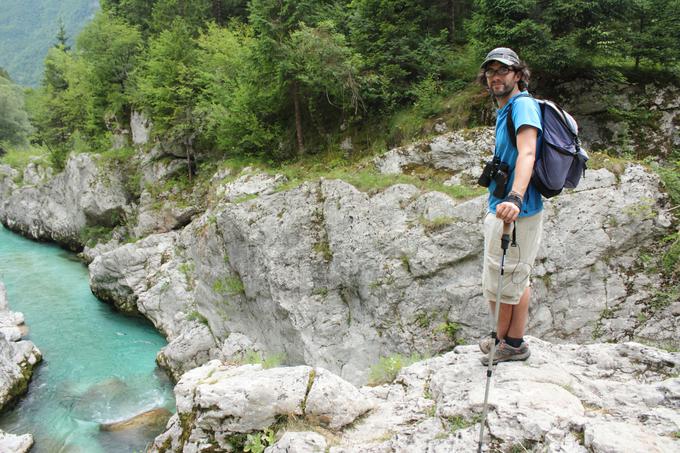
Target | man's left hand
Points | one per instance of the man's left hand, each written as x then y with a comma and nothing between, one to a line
508,212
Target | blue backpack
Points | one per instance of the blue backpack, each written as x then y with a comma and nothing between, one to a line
561,162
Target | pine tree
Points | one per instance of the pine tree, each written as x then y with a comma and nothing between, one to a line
62,38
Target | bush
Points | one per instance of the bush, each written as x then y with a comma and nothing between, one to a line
388,367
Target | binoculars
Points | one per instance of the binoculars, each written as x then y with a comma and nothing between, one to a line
497,171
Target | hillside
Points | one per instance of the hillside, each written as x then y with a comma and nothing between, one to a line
27,31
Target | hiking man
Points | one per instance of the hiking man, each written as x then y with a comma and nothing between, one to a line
512,198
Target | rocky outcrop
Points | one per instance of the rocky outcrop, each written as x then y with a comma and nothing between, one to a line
329,275
462,154
601,398
631,118
14,443
152,420
216,403
17,360
59,209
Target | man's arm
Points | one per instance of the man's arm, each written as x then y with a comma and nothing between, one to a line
526,147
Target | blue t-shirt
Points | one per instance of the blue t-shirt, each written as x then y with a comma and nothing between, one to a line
525,111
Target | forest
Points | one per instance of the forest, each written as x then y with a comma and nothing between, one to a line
27,30
279,80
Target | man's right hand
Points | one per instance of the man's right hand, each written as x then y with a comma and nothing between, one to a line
507,212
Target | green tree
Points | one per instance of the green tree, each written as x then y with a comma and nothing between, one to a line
14,124
4,74
62,38
402,42
110,47
653,31
553,36
240,101
323,71
62,107
283,29
135,12
166,86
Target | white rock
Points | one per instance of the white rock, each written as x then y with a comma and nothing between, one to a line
618,437
140,127
12,443
299,442
82,195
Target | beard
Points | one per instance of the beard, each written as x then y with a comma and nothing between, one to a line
502,90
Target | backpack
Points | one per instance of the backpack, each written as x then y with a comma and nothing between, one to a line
560,161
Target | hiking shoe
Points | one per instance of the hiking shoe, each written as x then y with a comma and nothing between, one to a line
485,344
506,353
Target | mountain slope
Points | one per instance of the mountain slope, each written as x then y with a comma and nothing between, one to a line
28,29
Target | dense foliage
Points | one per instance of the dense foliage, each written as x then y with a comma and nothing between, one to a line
14,124
28,30
280,78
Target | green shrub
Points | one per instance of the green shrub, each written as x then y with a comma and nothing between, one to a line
19,157
196,316
388,367
266,360
671,259
90,236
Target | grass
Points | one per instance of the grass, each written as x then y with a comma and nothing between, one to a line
91,236
452,330
230,286
388,367
671,259
602,159
436,224
19,157
266,360
244,198
459,422
196,316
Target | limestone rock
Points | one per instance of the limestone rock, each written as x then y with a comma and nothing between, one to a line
14,443
460,153
60,208
589,102
299,442
227,400
17,360
249,185
164,210
153,419
329,275
598,398
140,127
35,174
618,437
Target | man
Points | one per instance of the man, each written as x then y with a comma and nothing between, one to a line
507,78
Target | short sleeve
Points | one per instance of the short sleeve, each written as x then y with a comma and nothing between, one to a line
525,112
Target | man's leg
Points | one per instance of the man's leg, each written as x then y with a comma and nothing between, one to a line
504,318
520,316
512,319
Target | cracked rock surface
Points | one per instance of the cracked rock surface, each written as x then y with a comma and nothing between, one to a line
326,274
217,401
58,208
565,398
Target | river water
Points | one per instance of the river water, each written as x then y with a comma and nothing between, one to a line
98,365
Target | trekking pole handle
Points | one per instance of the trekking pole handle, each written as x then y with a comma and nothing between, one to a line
505,238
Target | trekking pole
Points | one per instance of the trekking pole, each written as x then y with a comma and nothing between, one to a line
505,241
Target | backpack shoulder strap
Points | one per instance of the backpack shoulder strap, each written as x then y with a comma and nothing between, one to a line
511,124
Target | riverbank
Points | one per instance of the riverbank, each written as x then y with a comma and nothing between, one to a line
18,358
98,364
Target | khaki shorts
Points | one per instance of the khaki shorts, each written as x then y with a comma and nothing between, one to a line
518,261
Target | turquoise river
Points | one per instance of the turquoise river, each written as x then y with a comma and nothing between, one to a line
98,365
